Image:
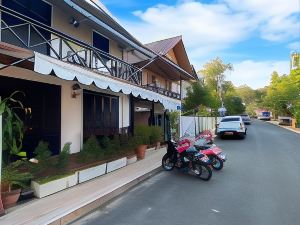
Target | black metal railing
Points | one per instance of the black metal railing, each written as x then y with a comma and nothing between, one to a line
22,31
162,91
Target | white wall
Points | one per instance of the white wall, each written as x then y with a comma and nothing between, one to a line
124,111
188,124
71,117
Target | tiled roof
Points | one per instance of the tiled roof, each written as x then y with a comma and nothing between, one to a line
162,47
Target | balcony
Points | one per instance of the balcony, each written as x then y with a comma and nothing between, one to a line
162,91
22,31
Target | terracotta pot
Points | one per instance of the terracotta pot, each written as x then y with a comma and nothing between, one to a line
140,151
9,199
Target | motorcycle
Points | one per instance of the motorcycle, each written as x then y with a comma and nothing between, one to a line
215,154
185,156
206,135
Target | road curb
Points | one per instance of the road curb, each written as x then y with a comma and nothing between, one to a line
287,128
82,211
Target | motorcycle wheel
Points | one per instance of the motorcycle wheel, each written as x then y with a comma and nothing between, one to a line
205,172
167,162
217,163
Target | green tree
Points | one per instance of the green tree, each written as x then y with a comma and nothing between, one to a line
234,105
199,95
213,73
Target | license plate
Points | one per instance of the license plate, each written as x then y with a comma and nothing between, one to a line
229,133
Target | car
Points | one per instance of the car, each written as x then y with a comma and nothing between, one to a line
246,119
232,125
265,115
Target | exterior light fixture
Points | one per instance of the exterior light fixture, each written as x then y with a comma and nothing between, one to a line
75,90
74,22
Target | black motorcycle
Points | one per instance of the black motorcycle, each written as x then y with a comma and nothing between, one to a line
189,160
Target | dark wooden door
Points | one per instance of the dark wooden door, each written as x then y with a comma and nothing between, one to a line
41,114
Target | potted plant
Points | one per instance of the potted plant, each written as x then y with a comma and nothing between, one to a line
155,136
141,137
11,181
13,127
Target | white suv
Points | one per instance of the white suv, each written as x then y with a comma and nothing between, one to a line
232,125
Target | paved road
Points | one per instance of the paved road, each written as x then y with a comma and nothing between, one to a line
259,185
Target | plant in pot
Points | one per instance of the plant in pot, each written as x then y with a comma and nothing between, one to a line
12,180
156,136
141,138
13,128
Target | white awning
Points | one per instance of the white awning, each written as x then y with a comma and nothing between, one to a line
45,65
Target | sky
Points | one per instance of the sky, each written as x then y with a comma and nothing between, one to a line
256,36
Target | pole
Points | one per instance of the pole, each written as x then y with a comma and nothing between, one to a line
1,205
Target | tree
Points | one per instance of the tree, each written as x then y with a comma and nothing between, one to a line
234,105
283,94
246,93
199,95
213,73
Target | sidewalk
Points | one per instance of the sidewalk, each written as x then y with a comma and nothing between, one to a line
66,205
296,130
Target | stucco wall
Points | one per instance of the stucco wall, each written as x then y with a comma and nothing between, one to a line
60,21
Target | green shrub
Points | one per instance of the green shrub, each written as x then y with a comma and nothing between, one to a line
142,134
91,150
104,142
115,143
42,154
155,134
63,157
11,176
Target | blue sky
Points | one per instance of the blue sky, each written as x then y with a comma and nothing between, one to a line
256,36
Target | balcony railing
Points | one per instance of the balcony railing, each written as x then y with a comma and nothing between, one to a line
162,91
22,31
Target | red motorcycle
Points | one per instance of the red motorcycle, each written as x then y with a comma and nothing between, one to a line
185,156
215,154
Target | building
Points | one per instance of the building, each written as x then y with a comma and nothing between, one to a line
76,66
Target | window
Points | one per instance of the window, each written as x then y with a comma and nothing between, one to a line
100,42
230,119
100,114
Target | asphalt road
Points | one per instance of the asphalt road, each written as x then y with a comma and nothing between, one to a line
259,185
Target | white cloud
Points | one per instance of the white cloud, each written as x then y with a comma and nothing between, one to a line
211,28
256,74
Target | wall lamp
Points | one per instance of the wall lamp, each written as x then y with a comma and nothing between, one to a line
74,22
75,90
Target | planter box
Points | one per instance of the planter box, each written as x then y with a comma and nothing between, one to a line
131,159
90,173
42,190
117,164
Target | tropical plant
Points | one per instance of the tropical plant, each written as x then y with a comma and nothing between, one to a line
13,126
11,176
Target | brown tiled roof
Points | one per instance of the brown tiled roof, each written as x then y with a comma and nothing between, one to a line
162,47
